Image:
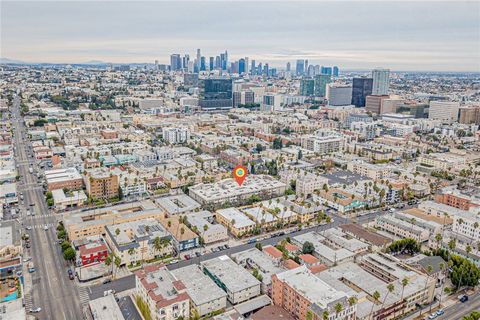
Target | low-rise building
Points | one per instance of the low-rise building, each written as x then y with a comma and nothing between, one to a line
206,297
68,178
328,255
165,296
101,184
205,225
137,241
300,292
228,190
235,221
70,199
177,205
239,284
183,237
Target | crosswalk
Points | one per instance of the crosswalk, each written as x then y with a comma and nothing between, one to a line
28,301
41,226
84,297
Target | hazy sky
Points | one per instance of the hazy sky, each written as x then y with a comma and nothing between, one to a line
403,35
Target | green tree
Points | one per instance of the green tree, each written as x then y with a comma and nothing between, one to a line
308,247
376,298
69,254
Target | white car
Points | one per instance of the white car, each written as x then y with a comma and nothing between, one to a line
35,310
28,228
106,293
27,259
45,227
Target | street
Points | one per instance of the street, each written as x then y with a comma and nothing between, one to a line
51,289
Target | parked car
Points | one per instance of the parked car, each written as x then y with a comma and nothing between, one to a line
198,254
107,281
440,312
463,298
110,291
187,257
432,316
227,246
71,276
35,310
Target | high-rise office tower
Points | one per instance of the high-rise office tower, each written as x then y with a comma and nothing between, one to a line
247,66
381,79
335,71
218,62
321,81
175,62
361,88
288,67
254,67
300,69
306,66
203,64
307,87
241,66
339,94
215,94
311,70
199,59
156,64
317,70
266,70
445,111
185,60
327,70
211,64
191,66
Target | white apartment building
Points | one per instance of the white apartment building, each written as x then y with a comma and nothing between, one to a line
401,228
202,220
176,135
323,142
467,223
372,171
307,184
445,111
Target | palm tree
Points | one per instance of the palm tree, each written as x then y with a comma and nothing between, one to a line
325,315
438,238
338,309
429,272
391,288
157,244
376,298
404,284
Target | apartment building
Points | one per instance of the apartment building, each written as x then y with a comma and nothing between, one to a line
299,292
372,171
228,191
401,228
235,221
467,223
308,183
68,178
340,200
327,253
239,284
204,223
322,144
101,184
206,297
138,241
165,296
453,197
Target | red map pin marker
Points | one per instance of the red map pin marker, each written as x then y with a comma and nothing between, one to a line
240,173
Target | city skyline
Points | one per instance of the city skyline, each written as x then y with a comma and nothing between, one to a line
424,36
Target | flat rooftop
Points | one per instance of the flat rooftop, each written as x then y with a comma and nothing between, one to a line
178,204
105,308
234,277
200,287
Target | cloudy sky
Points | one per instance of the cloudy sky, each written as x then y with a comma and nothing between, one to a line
407,35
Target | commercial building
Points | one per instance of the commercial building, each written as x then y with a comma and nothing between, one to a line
228,190
445,111
93,251
339,94
299,291
361,88
373,103
138,241
215,94
206,297
239,284
320,83
381,80
105,308
68,178
165,296
101,184
307,86
81,224
70,199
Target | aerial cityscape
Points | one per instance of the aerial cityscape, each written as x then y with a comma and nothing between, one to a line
234,160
